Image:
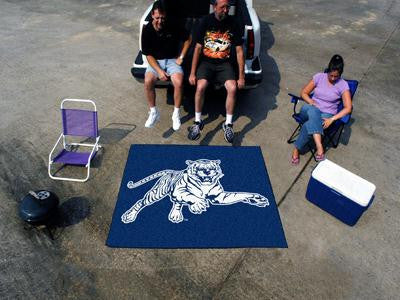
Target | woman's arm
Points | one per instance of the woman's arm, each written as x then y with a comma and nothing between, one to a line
346,109
306,91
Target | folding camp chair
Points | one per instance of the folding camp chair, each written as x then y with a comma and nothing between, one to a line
333,133
77,123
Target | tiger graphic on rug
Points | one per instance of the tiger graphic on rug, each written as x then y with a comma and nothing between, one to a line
196,187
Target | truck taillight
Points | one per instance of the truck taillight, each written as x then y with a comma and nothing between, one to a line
250,44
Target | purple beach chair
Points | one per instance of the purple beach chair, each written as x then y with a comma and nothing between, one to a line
76,123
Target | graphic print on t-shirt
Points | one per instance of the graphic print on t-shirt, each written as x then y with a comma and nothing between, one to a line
217,44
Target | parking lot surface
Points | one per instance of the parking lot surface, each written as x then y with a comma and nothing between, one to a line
50,50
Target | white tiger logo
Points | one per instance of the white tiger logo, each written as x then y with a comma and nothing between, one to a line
197,186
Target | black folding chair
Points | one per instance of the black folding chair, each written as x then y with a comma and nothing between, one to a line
333,133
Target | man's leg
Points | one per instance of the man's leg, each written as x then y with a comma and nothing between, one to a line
149,88
176,73
195,129
231,88
177,82
199,96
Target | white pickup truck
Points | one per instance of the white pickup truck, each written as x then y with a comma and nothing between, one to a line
191,12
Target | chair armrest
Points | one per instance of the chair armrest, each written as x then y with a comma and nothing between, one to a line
295,99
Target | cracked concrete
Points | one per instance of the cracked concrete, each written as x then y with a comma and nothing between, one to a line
83,49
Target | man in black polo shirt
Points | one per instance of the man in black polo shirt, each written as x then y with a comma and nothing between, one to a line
161,42
217,35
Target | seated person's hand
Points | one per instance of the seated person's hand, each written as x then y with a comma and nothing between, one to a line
179,61
163,75
192,79
327,122
240,83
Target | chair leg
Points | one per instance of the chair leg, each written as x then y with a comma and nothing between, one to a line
338,138
294,134
331,137
87,167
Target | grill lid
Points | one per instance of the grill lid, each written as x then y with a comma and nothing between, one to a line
38,206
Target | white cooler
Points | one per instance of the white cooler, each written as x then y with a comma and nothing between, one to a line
339,192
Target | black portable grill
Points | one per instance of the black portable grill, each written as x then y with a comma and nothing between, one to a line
39,208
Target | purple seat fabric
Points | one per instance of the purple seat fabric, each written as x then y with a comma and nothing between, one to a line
73,158
79,122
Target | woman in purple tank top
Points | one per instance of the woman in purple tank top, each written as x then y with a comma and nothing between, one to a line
321,110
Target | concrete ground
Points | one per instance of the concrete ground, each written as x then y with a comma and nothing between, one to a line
50,50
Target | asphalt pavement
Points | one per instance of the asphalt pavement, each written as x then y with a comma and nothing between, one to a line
51,50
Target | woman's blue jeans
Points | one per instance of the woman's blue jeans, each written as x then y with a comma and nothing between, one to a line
313,124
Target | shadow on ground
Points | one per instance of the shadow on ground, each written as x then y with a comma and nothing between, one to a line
73,211
112,133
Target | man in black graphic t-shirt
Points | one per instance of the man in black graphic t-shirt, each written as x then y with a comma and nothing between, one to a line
161,40
217,36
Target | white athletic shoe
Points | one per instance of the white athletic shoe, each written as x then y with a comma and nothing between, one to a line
176,122
152,119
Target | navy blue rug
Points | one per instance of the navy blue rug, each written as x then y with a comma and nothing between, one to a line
175,196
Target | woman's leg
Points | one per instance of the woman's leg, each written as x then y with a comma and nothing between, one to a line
318,136
312,126
318,143
301,141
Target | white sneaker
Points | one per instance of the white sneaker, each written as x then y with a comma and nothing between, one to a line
152,119
176,122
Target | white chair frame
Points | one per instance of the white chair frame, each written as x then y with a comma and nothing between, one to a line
95,147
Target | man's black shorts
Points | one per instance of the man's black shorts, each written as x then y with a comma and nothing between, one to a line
216,73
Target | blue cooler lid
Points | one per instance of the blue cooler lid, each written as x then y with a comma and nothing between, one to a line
344,182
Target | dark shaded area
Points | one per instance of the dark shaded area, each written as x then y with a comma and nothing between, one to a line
256,104
112,133
73,211
183,9
345,137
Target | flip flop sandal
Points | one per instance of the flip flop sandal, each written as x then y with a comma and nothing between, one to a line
295,161
320,157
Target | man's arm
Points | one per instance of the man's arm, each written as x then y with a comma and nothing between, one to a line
147,49
195,62
240,60
154,64
185,48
